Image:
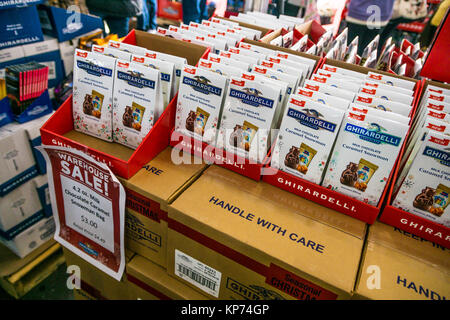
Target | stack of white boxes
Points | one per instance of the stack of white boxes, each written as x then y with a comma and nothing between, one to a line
26,219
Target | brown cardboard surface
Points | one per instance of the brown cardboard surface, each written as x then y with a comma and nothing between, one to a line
269,37
100,285
10,263
117,150
156,284
149,193
192,52
397,265
161,178
247,25
287,50
333,265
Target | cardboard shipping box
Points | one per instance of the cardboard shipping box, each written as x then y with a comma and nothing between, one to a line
148,281
95,283
233,238
397,265
149,193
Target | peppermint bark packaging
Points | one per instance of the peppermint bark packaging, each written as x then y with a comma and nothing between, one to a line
248,115
426,188
199,105
364,156
137,102
306,137
93,80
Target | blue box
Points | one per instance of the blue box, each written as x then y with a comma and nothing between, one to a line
9,4
58,23
19,26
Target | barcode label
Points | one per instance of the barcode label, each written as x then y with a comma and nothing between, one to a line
197,273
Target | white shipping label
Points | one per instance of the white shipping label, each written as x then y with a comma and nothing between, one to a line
197,273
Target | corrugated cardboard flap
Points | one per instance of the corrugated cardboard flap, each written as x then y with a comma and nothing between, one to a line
157,278
160,179
409,245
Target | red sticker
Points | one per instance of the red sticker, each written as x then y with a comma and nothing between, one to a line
82,54
310,87
369,91
238,83
442,142
305,93
296,286
298,102
189,70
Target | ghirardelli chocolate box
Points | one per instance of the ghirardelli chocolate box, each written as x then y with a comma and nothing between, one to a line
307,134
93,82
138,102
261,244
364,155
425,189
200,103
248,115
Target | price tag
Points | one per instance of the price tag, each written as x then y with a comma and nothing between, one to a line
89,208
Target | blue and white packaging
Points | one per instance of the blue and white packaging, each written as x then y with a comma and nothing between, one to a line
41,183
19,26
20,209
34,135
11,56
32,238
16,158
66,25
9,4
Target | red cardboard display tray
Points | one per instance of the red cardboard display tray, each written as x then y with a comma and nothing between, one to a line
217,156
123,161
424,228
321,194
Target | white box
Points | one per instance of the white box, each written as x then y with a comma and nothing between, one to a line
31,238
20,206
17,163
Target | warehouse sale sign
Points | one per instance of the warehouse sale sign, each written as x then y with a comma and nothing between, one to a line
89,208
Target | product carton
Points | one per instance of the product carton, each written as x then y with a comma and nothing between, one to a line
16,158
31,238
398,265
97,284
264,243
149,193
148,281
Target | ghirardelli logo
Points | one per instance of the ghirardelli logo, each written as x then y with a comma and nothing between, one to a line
137,231
135,79
252,91
267,294
133,219
311,118
202,84
252,292
373,133
251,96
37,110
202,79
